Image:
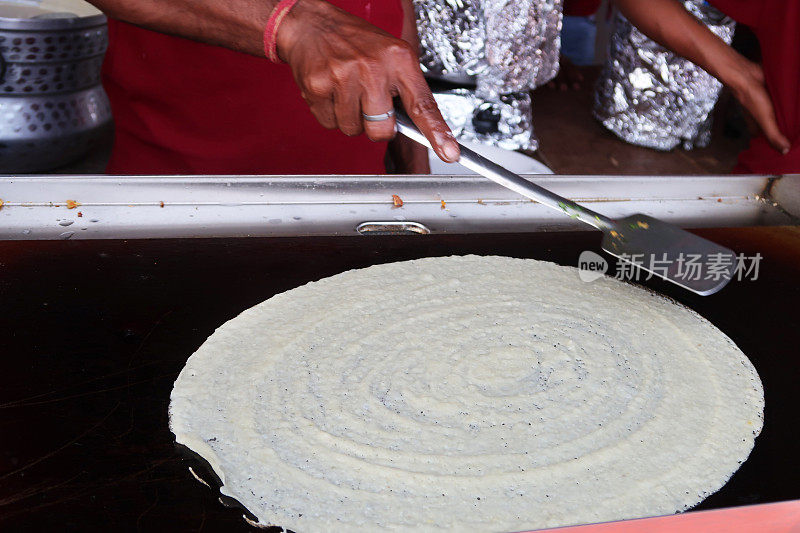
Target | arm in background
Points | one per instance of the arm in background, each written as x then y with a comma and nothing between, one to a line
670,25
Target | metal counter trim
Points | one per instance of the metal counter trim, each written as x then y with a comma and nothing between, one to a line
122,207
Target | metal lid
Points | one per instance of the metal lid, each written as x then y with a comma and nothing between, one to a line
51,15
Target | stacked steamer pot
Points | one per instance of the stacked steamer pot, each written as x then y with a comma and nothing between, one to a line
53,109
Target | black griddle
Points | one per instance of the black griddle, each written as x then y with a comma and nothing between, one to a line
95,332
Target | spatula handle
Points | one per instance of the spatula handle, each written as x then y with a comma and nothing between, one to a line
508,179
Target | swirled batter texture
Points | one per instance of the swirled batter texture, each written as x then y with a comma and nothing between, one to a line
467,393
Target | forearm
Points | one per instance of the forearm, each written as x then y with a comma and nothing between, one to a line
234,24
668,23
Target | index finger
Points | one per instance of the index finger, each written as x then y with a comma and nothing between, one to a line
422,109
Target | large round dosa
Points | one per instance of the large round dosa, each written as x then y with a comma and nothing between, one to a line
467,393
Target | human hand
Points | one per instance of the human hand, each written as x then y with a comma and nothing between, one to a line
751,91
345,66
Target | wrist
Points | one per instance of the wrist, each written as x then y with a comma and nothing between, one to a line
273,26
295,25
739,74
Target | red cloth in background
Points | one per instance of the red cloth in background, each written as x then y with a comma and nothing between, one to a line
581,8
776,24
182,107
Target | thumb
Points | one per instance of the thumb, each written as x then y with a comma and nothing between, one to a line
777,139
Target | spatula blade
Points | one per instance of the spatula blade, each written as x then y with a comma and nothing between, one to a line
670,252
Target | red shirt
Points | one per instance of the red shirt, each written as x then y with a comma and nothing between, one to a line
776,24
581,8
182,107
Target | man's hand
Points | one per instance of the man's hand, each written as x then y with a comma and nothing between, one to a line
752,93
345,66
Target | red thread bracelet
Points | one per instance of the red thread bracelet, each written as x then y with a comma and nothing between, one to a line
271,31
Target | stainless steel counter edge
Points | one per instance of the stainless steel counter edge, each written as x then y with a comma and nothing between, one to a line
126,207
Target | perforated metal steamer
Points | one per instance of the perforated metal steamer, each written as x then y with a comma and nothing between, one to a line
52,107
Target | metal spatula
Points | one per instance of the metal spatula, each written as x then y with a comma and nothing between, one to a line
653,245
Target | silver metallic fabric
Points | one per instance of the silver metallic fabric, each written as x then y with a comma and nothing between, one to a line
452,35
502,48
523,41
508,45
648,96
513,113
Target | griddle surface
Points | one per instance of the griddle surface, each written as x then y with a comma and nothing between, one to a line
94,334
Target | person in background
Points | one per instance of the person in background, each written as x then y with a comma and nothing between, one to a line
770,92
192,92
649,96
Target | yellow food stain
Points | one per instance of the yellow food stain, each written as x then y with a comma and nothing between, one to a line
72,204
1,204
444,205
615,234
397,201
644,225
